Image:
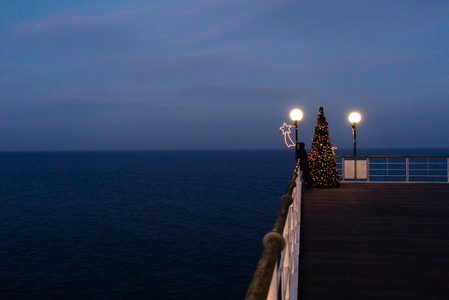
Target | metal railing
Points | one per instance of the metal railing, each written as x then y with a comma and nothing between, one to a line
394,168
284,236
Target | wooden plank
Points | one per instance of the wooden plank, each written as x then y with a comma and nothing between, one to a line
375,241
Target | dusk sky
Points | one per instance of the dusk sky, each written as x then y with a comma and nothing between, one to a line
168,74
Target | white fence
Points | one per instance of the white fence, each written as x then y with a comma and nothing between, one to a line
394,168
286,273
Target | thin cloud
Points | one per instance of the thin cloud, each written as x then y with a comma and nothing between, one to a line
137,65
77,32
238,93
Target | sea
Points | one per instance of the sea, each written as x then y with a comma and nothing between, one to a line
139,225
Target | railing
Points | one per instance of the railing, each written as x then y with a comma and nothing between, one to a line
284,237
394,168
289,263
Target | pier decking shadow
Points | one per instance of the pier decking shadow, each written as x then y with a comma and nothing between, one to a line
375,241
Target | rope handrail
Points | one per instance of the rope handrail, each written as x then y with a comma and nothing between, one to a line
273,243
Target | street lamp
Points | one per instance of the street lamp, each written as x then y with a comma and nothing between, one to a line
296,115
354,118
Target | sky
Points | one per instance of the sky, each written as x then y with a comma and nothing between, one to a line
189,75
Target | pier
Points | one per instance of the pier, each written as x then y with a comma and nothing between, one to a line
363,240
375,241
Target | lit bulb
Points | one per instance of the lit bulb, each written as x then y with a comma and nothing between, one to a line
355,117
296,115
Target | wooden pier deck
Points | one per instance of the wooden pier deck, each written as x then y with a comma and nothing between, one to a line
375,241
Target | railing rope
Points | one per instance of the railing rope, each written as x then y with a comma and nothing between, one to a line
266,274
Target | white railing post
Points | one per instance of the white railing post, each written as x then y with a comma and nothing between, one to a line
407,169
367,169
274,285
388,166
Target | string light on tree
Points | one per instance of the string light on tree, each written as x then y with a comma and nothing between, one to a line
323,170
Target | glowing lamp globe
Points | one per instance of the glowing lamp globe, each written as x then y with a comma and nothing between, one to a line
355,117
296,115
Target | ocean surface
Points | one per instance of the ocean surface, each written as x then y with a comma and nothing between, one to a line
138,225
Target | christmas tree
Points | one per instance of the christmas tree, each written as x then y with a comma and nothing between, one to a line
323,171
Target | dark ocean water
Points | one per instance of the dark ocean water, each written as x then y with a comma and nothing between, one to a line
138,225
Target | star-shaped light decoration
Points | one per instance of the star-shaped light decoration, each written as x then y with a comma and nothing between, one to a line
285,128
286,132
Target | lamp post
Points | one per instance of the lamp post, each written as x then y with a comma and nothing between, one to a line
354,118
296,115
